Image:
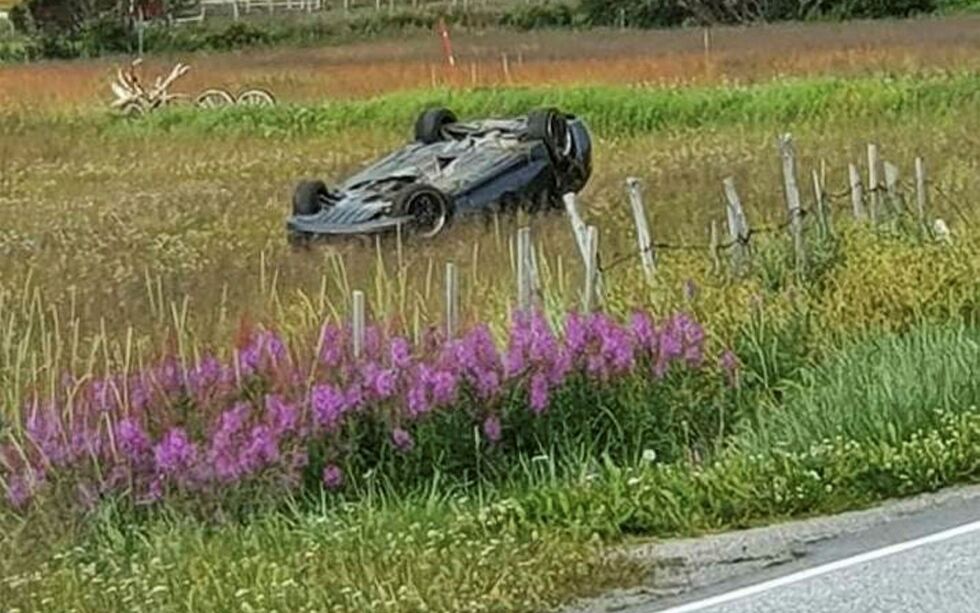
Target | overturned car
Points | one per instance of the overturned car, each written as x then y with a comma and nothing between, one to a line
451,169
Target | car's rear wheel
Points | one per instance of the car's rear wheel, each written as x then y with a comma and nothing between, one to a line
550,127
430,209
429,126
309,197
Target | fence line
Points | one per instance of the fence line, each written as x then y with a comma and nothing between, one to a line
859,196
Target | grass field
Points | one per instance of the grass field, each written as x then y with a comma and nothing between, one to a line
125,243
611,57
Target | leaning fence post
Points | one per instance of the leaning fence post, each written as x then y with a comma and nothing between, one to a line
874,181
644,243
580,231
452,300
822,214
524,273
357,322
920,189
738,227
793,198
857,193
591,268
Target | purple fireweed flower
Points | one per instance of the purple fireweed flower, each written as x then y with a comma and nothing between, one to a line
281,416
175,452
402,440
443,386
372,342
492,428
417,398
262,449
331,345
44,429
232,421
382,383
205,375
333,477
274,346
399,353
475,361
262,347
576,334
328,405
132,441
540,394
354,398
693,335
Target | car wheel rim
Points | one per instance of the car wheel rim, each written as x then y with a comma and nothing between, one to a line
428,214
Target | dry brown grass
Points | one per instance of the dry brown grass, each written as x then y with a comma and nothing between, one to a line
663,57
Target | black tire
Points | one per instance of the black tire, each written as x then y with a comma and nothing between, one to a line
429,125
309,197
550,127
430,209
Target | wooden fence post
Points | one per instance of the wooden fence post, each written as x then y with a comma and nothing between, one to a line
591,269
857,193
452,300
793,205
357,322
738,227
874,182
822,214
644,243
920,190
891,188
506,65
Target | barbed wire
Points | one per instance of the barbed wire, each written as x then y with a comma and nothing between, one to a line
745,240
834,197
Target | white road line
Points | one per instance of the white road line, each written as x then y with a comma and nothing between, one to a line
830,567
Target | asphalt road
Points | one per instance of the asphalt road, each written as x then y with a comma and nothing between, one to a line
915,556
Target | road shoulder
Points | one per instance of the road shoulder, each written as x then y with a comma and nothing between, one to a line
683,569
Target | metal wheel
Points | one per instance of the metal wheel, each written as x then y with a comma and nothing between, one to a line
214,98
429,208
256,97
133,109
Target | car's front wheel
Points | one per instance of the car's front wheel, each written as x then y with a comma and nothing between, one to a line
309,197
429,208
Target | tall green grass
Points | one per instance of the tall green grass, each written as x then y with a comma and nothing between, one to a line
877,390
609,110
